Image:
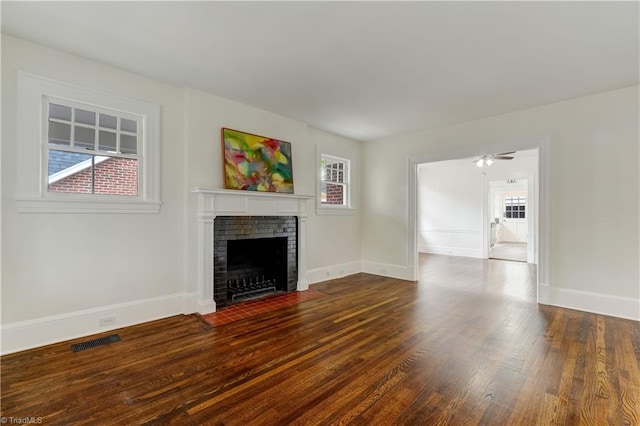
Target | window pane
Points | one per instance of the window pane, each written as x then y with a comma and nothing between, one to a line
108,121
69,172
508,215
521,215
85,174
59,112
128,125
85,117
116,176
522,208
84,137
59,133
334,195
128,144
106,141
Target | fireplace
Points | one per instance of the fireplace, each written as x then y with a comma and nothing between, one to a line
212,207
254,256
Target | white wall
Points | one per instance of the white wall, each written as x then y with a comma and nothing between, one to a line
205,115
66,267
61,273
450,208
594,165
333,241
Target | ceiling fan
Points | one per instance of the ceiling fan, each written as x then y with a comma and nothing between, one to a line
489,158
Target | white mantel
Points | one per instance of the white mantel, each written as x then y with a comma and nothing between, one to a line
226,202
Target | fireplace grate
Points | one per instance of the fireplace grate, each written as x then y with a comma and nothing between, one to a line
244,289
77,347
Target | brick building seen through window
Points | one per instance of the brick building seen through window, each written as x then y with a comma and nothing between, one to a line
106,176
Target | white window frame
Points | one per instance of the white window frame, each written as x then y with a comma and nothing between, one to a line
95,151
336,209
32,195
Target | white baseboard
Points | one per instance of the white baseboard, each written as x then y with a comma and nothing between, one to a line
342,270
597,303
388,270
332,272
29,334
190,302
451,251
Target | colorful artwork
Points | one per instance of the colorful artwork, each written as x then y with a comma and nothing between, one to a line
256,163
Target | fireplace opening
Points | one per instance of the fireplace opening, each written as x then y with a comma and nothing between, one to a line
256,267
254,256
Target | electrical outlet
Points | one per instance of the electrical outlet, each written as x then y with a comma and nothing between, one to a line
328,273
107,321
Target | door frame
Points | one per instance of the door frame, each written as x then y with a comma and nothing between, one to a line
542,144
532,215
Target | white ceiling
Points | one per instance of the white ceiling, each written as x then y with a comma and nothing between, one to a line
364,70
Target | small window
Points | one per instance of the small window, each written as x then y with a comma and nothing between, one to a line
92,151
85,151
334,181
515,207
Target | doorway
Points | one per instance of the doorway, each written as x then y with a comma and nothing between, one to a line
538,190
509,211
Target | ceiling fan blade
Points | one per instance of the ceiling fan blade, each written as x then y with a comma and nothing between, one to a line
505,153
502,157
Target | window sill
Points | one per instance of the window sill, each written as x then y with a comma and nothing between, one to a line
335,211
39,205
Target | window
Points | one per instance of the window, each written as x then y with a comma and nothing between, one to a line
91,150
335,186
515,207
334,181
85,151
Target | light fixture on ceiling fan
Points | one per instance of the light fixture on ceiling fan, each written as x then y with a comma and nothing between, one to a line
489,158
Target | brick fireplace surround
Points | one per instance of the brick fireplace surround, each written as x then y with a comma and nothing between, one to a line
265,246
212,203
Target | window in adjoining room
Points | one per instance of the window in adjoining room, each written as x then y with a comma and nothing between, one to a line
515,207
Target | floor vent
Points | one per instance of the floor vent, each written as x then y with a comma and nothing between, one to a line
77,347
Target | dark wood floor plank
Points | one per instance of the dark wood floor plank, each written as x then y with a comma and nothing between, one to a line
465,345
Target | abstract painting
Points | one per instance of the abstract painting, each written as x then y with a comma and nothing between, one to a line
256,163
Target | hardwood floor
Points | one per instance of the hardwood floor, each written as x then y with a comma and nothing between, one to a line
466,345
509,251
